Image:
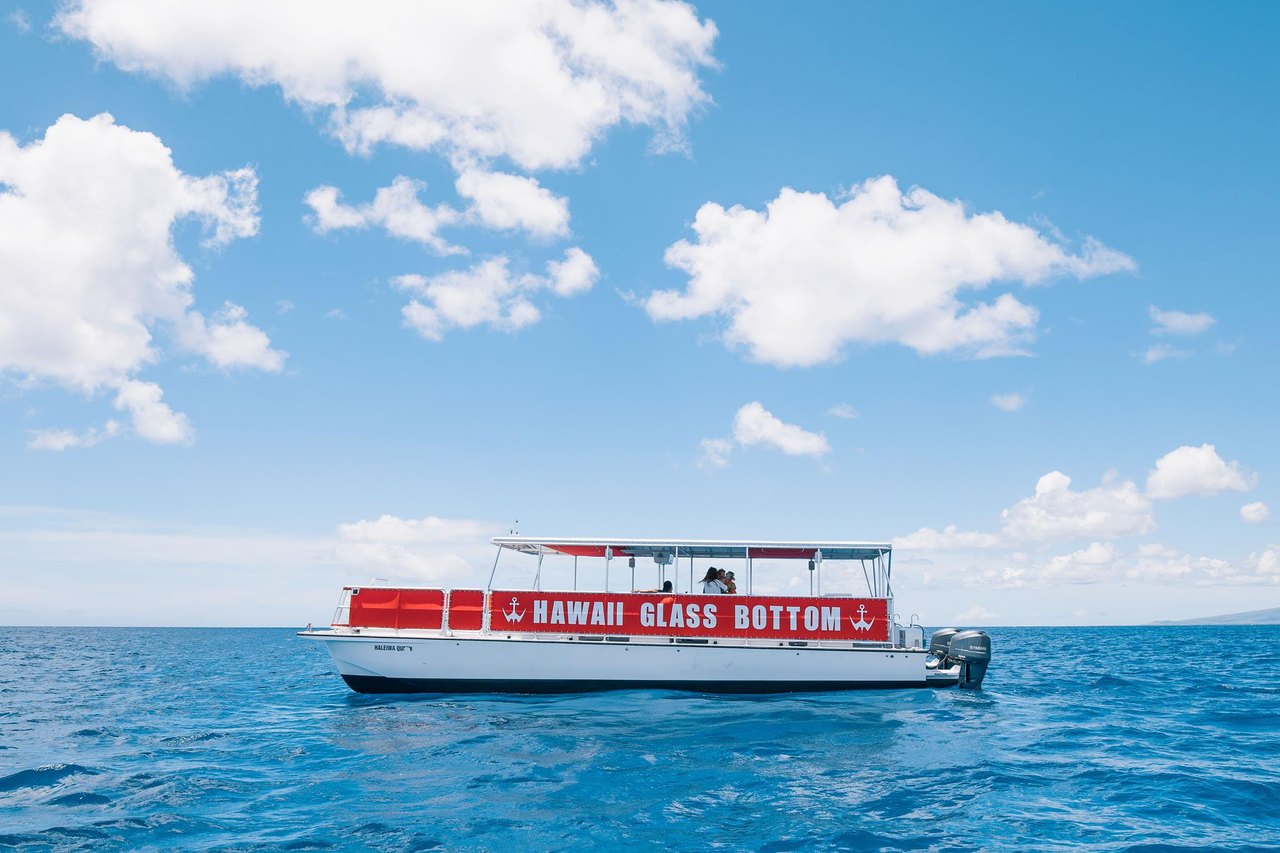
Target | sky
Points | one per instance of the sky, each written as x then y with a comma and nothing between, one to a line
300,295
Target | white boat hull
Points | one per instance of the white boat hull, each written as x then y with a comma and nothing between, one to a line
396,662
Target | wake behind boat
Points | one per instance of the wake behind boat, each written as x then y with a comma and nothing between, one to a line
414,640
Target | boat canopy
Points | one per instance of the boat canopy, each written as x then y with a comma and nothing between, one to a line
719,549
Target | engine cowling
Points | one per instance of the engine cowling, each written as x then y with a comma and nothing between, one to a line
972,649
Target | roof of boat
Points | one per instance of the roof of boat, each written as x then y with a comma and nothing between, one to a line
723,549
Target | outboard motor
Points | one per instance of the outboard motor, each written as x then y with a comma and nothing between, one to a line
939,645
940,642
972,650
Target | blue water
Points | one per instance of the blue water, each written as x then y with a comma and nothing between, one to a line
1114,738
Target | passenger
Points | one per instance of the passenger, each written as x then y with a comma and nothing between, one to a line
711,583
667,587
728,582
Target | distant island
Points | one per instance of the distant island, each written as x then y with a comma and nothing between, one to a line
1253,617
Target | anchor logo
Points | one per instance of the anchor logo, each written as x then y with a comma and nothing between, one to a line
512,614
862,624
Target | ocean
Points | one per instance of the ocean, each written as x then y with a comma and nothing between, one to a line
246,739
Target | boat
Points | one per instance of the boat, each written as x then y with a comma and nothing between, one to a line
395,639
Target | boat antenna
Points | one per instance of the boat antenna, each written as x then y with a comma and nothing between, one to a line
515,529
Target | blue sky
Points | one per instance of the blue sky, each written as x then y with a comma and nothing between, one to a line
844,271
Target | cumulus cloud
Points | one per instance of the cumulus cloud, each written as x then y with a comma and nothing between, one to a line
1104,562
539,83
229,342
1264,567
950,538
396,208
754,425
1160,563
64,439
1159,352
498,201
1056,511
1178,322
807,276
88,267
152,418
1255,513
1093,564
489,294
714,452
577,273
1196,471
430,549
1008,402
513,203
976,614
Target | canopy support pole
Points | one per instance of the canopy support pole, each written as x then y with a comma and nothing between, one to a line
537,576
575,572
497,557
608,557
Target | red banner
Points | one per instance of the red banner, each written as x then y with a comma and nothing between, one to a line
667,615
386,607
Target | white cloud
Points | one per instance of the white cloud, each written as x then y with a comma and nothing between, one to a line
88,267
1264,567
153,419
806,277
499,201
1008,402
229,342
755,425
1196,471
1159,352
1178,322
432,549
1057,512
63,439
488,294
715,452
512,202
1160,563
96,568
1104,563
1094,564
843,410
396,208
577,273
950,538
21,21
975,614
537,82
1255,513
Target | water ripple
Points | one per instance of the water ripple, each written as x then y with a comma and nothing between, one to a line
231,740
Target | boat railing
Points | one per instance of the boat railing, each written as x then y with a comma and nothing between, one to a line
342,614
